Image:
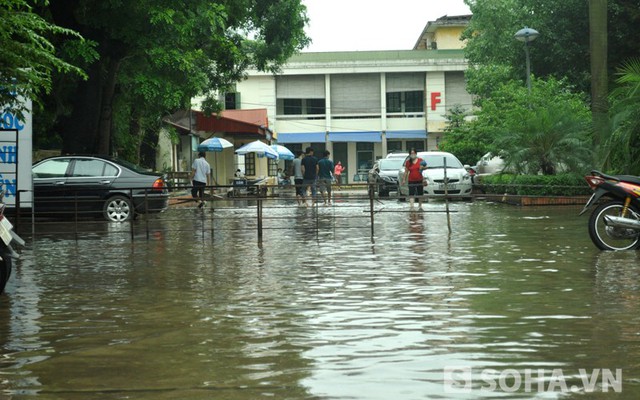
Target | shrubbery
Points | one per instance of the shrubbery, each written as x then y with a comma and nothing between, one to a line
534,185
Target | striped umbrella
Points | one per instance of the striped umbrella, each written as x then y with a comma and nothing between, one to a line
214,144
260,148
283,152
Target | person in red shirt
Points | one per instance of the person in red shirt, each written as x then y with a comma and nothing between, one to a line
413,174
337,172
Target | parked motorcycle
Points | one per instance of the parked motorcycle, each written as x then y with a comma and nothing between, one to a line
615,223
248,187
7,253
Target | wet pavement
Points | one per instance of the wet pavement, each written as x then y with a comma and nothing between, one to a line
196,308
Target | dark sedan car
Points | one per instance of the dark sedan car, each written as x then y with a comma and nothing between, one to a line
385,175
96,184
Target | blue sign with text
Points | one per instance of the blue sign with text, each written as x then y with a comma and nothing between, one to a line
10,121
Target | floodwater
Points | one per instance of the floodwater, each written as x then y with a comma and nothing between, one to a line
318,310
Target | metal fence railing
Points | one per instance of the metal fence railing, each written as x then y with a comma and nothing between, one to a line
71,214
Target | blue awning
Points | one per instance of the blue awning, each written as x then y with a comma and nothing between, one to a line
303,137
372,136
408,134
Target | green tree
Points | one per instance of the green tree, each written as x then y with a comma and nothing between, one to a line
546,132
468,140
155,55
623,147
482,80
563,45
599,74
559,51
28,58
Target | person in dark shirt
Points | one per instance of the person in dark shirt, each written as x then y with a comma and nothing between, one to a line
309,174
325,176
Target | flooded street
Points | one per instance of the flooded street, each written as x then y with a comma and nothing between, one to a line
318,310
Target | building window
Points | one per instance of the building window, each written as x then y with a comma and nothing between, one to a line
455,88
292,106
300,94
315,106
407,102
394,102
415,144
394,146
273,167
355,95
250,164
232,101
361,146
364,160
414,101
300,107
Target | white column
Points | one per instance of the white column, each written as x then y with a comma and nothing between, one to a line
327,101
383,114
436,101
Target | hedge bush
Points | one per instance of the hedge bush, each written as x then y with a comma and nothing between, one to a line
534,185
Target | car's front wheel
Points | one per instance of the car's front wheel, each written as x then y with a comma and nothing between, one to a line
118,209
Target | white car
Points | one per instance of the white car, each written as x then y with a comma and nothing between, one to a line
489,164
397,155
459,181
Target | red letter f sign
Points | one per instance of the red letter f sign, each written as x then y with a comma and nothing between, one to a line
435,100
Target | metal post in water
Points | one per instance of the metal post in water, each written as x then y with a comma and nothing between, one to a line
146,208
314,203
131,219
33,216
259,212
18,205
202,223
371,209
212,224
75,215
446,194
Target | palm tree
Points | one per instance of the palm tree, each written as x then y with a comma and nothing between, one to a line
546,139
623,147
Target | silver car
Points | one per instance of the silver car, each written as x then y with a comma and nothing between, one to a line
458,179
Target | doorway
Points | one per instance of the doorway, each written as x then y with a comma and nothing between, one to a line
340,154
364,158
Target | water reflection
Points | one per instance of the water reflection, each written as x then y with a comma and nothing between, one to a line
316,310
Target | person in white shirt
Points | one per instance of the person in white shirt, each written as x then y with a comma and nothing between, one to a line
200,171
296,171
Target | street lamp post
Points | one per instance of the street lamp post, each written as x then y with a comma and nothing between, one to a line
527,35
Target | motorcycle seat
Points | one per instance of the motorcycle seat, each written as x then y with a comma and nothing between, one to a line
624,178
629,179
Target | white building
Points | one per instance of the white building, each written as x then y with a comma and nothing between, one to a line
360,105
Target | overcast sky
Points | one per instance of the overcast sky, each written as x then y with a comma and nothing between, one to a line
350,25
